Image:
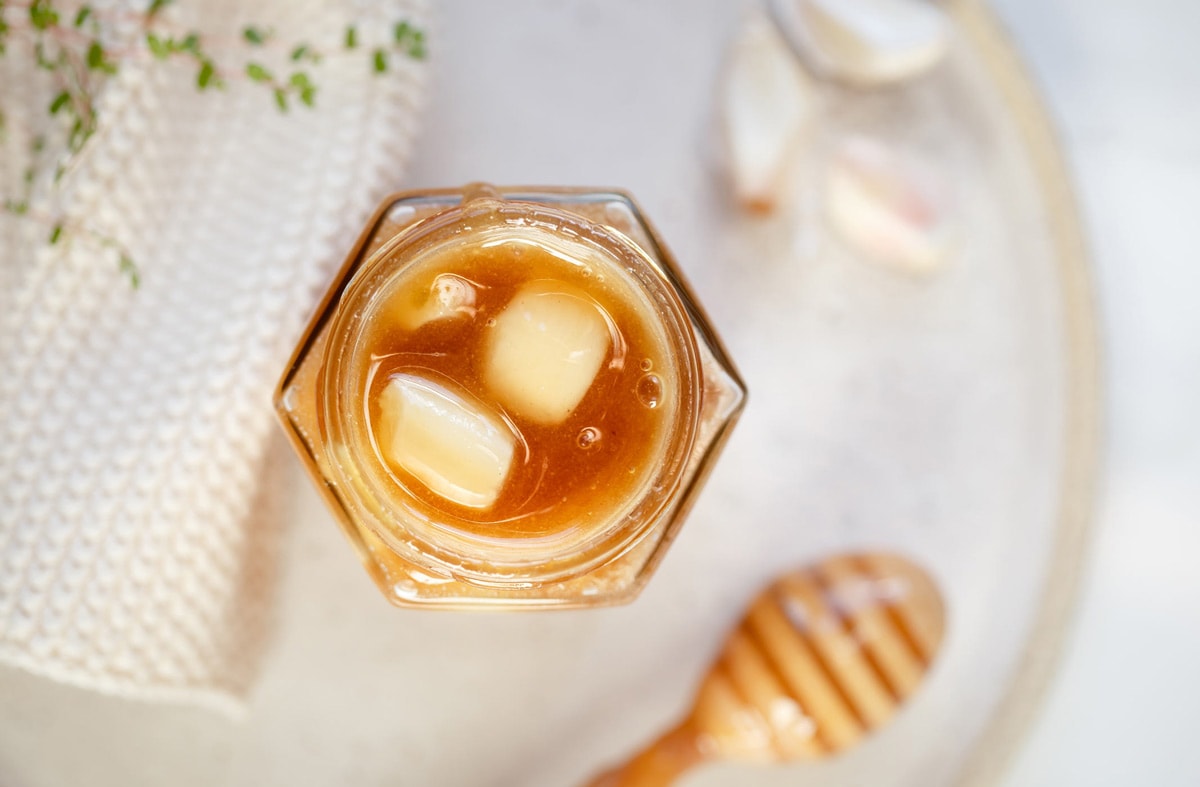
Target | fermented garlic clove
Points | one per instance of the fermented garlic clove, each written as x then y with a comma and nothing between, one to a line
545,350
451,444
871,42
448,296
886,209
766,103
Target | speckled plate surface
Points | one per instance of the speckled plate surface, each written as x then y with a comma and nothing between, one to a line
953,419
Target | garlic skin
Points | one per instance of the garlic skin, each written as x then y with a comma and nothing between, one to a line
867,43
886,209
767,103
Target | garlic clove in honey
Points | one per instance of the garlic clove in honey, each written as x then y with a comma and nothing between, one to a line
823,656
886,208
867,42
447,441
545,349
767,103
449,296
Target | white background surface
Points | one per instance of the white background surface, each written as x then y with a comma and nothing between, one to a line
1123,80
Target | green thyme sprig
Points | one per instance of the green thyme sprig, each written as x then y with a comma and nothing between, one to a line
76,48
61,231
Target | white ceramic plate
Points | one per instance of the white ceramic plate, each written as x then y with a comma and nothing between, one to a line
953,419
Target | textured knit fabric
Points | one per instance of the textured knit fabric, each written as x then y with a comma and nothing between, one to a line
136,536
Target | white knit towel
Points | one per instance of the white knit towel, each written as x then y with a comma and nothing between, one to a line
136,550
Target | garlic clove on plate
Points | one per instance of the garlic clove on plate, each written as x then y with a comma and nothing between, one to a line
886,209
766,103
868,42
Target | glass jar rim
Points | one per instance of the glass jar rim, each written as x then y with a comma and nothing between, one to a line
503,561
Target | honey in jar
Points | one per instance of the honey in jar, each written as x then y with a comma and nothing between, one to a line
509,401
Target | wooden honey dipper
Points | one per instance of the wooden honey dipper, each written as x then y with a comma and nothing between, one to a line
823,656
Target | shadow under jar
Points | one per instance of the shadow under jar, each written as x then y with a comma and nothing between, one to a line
509,396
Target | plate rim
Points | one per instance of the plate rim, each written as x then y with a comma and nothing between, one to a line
995,750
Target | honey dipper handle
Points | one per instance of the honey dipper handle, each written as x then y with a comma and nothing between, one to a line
659,764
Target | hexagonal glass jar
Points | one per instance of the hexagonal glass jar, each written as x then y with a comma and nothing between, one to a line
418,557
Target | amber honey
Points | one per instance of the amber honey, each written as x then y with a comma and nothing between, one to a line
578,484
569,475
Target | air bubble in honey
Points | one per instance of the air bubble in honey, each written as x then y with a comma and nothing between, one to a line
588,438
650,390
